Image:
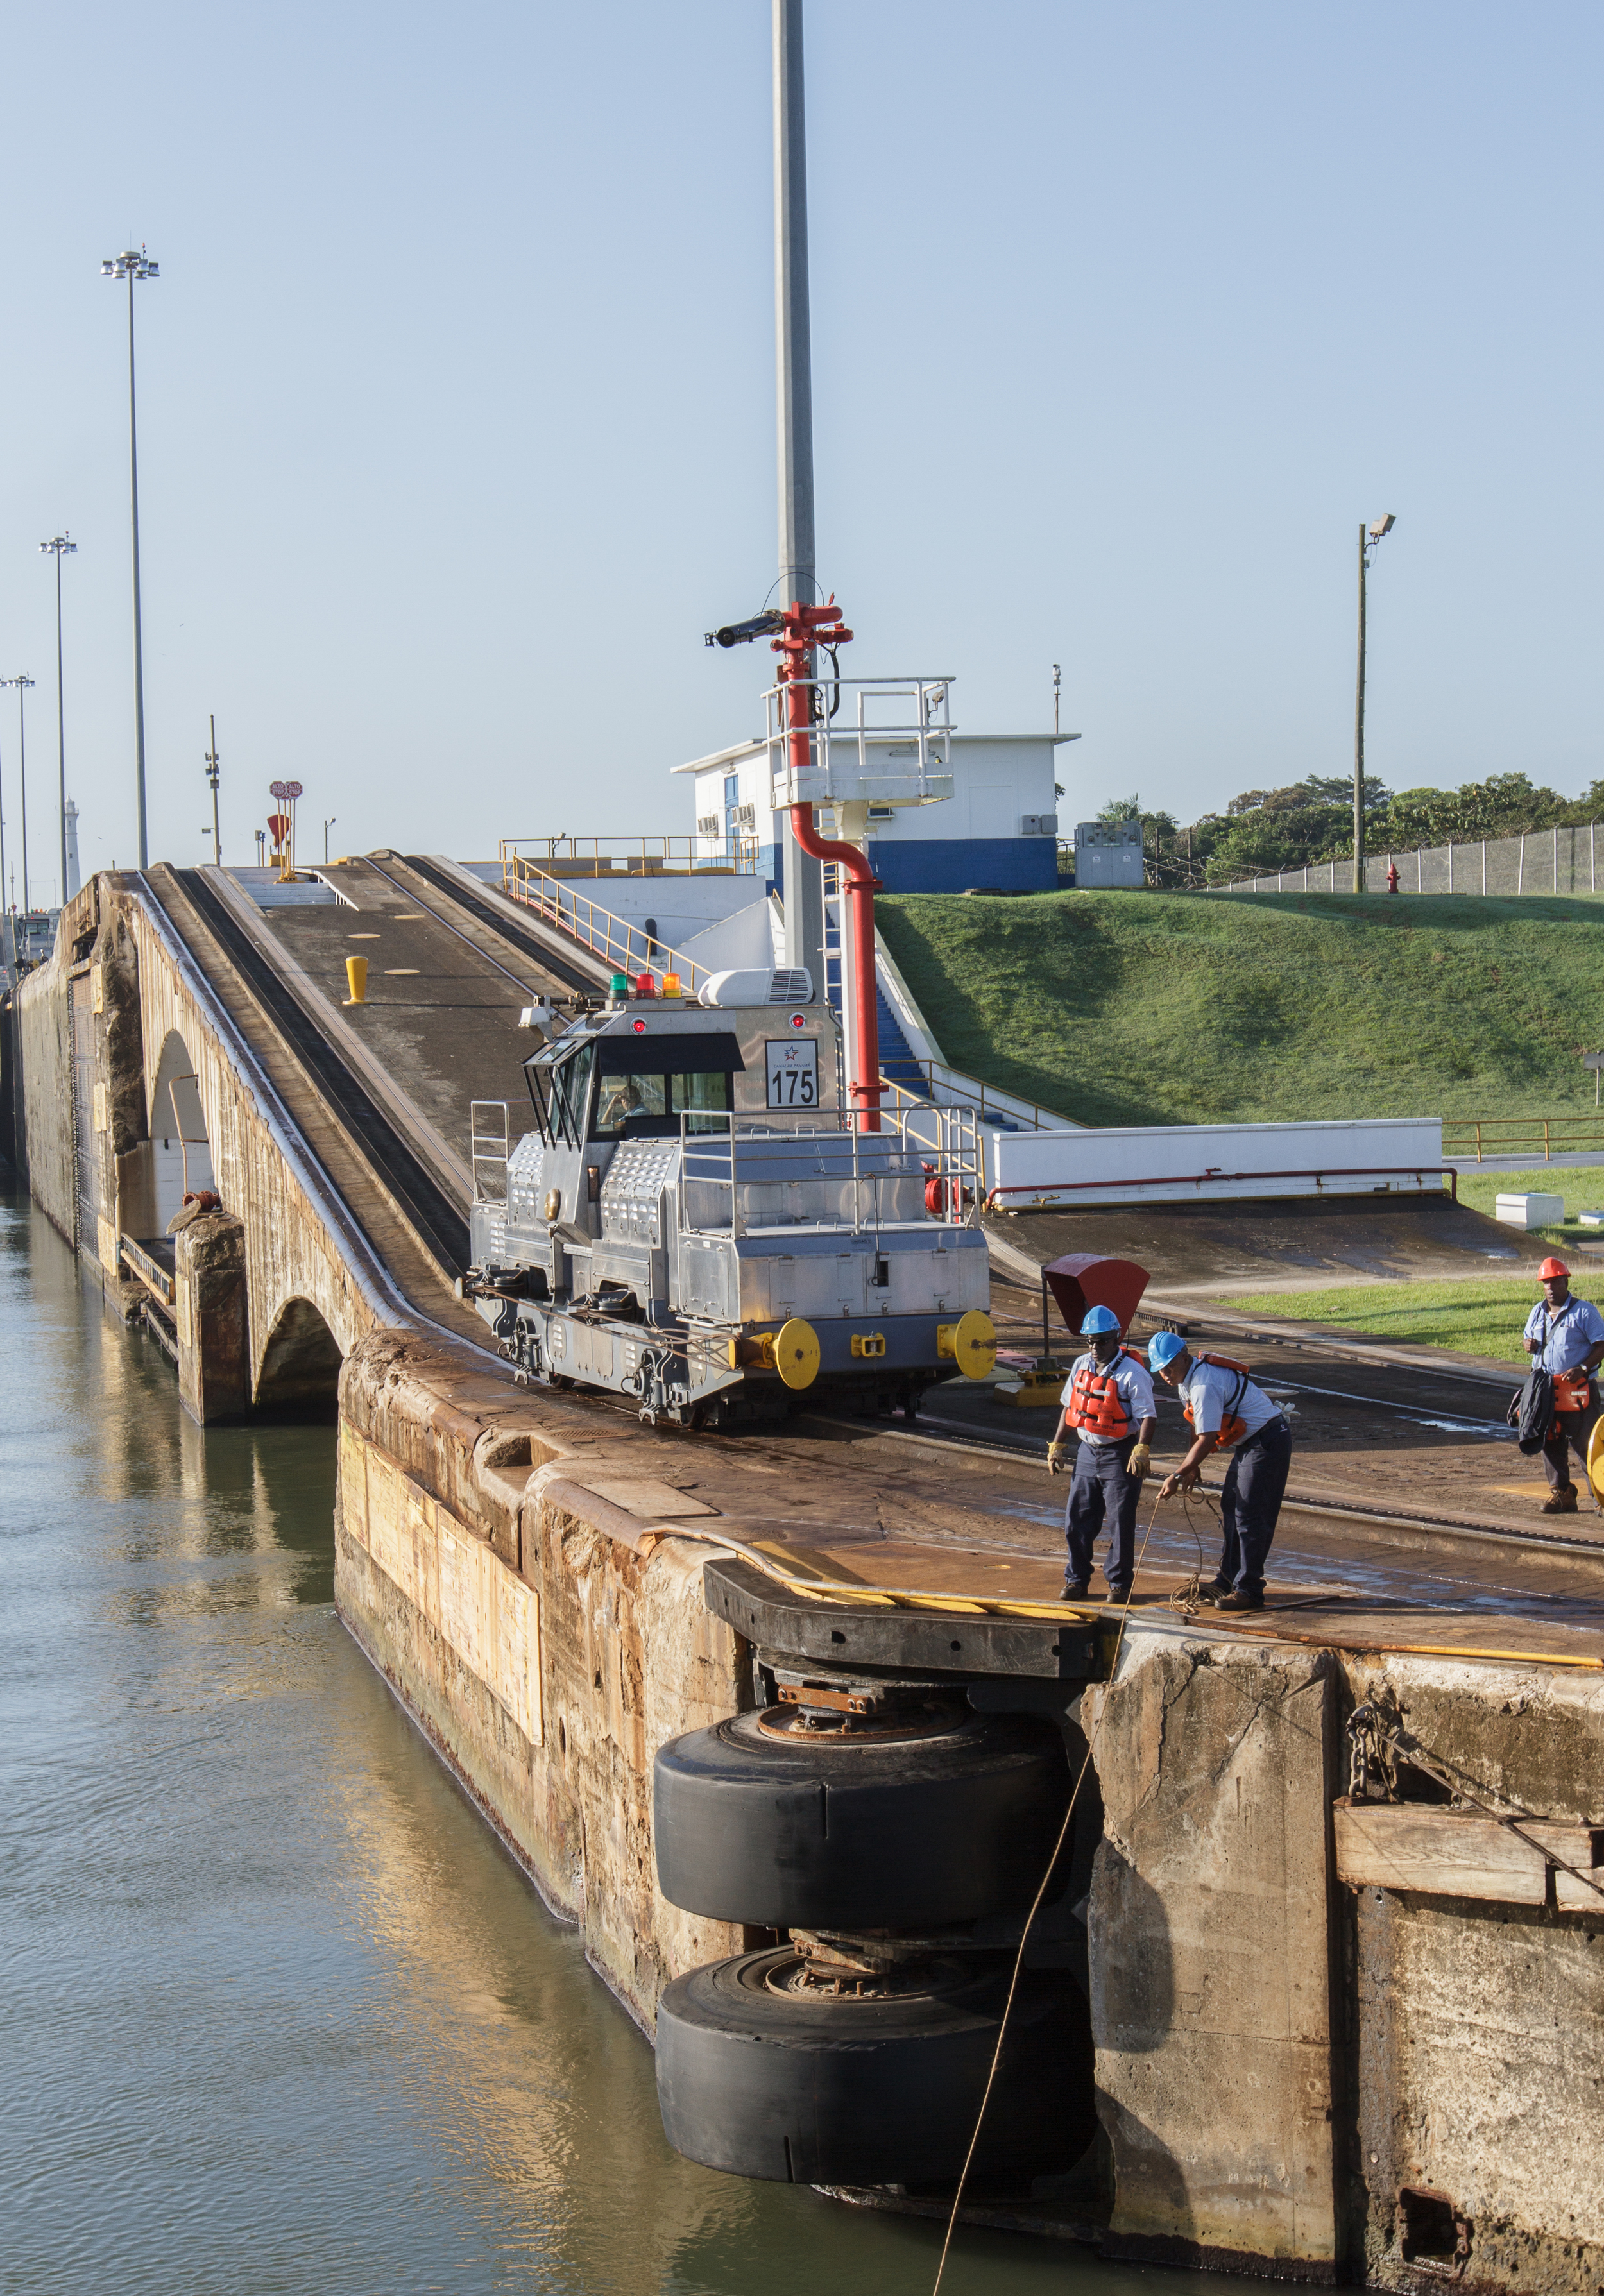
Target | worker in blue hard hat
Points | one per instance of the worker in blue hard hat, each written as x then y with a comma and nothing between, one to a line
1227,1412
1108,1400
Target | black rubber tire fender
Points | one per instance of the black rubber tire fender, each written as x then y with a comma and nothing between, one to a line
822,2092
784,1832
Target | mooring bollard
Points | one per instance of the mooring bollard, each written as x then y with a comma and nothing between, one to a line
356,978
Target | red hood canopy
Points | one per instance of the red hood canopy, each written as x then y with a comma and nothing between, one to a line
1085,1279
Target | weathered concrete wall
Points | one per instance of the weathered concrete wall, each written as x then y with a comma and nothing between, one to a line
135,995
1209,1944
547,1642
1280,2058
1476,2028
290,1251
43,1031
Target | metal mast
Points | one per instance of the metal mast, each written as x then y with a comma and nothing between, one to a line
804,877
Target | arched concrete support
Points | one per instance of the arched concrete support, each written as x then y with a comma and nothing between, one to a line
174,1159
301,1363
180,1143
290,1252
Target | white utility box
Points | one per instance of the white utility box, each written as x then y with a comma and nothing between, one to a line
1530,1211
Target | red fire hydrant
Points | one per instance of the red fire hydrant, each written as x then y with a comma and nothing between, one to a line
1392,876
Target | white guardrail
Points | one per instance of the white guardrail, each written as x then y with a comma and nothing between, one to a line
1191,1163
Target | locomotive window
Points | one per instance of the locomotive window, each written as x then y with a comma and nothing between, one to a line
702,1096
539,1092
624,1103
568,1089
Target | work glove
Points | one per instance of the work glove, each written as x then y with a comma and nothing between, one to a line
1141,1461
1054,1456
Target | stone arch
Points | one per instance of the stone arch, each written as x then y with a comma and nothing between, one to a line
180,1148
301,1363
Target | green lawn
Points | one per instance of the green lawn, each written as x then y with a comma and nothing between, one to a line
1170,1008
1581,1184
1483,1315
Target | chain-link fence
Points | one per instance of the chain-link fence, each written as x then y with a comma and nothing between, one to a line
1541,861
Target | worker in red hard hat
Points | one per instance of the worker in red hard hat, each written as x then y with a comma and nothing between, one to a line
1564,1337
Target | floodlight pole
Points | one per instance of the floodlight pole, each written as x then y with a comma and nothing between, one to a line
58,548
21,682
798,584
134,265
1369,537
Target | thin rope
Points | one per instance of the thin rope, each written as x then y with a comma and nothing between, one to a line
1024,1936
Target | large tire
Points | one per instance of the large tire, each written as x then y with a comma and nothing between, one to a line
788,1833
825,2092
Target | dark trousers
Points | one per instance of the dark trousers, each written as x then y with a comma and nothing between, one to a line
1255,1482
1572,1430
1100,1491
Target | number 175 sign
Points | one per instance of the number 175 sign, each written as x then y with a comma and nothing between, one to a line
792,1066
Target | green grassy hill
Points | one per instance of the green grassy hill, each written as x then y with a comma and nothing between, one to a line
1155,1008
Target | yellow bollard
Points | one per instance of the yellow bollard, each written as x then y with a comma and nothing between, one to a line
356,977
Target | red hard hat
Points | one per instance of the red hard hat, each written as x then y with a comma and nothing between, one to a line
1551,1268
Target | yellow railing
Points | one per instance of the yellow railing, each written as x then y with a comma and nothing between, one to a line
969,1092
627,947
1540,1138
634,857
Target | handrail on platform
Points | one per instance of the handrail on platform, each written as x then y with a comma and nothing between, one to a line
628,948
1041,1190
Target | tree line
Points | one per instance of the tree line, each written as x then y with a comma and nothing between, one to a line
1312,821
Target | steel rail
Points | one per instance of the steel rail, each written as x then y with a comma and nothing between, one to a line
438,1226
507,928
934,1435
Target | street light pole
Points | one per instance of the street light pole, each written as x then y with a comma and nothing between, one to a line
58,548
213,770
1369,537
134,265
327,826
21,682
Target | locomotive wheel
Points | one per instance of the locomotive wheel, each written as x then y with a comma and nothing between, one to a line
759,2080
759,1821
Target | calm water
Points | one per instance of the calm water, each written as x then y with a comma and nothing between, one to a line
277,2014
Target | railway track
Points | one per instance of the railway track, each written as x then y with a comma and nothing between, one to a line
437,1222
931,1431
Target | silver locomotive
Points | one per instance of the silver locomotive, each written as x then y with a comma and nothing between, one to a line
696,1224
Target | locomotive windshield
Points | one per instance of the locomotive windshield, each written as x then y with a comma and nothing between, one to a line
634,1086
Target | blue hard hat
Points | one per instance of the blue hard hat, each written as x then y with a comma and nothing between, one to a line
1099,1319
1164,1348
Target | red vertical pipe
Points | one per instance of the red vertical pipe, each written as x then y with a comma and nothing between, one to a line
863,1090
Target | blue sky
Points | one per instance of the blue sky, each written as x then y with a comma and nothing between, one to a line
456,394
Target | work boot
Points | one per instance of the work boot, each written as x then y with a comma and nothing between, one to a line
1075,1590
1237,1600
1561,1502
1212,1589
1118,1593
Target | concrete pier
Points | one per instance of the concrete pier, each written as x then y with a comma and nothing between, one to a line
1337,2039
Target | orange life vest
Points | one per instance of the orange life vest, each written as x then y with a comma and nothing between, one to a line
1572,1390
1095,1402
1231,1429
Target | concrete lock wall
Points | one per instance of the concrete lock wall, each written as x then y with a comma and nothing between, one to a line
547,1642
1295,2071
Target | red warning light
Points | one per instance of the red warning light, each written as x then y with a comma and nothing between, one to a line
799,1019
640,1027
